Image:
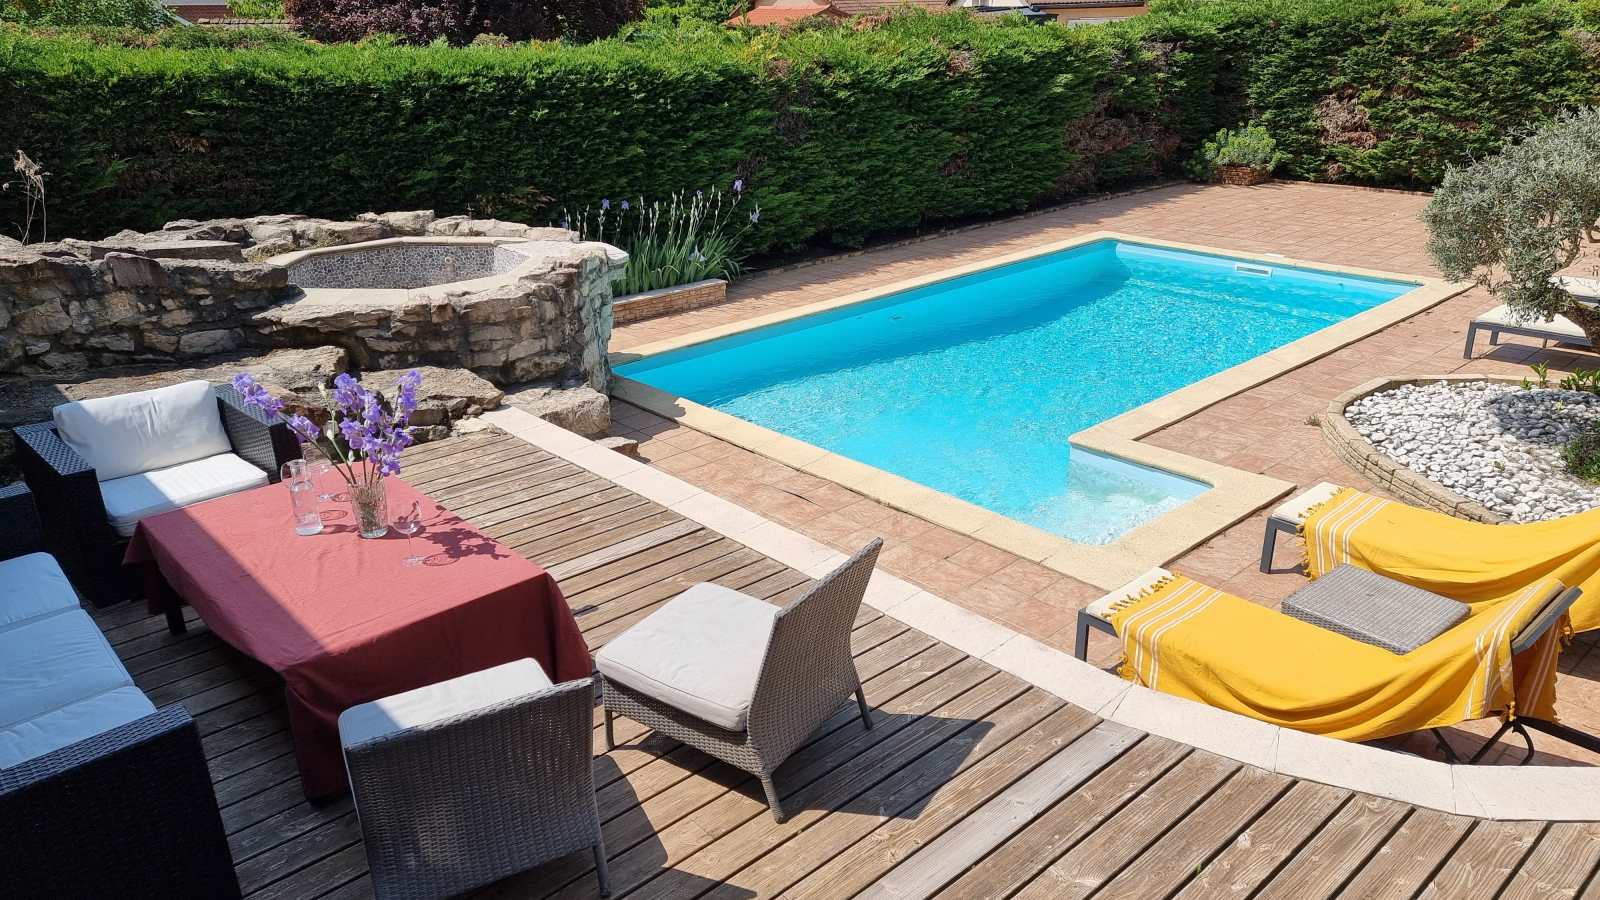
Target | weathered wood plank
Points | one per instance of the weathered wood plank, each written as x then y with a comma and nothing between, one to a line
938,862
1182,852
1098,857
1559,865
1060,828
1403,864
1484,862
1343,846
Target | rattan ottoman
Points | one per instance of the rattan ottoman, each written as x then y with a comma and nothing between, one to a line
1374,609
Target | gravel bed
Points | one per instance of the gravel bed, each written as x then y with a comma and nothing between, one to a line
1494,443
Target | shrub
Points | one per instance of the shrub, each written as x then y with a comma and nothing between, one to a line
685,239
460,21
142,15
1250,146
257,9
1512,221
1582,456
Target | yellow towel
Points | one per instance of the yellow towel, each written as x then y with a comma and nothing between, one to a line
1466,561
1192,641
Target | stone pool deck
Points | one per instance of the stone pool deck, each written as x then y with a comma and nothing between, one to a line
1263,429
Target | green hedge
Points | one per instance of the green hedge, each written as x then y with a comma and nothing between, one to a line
841,133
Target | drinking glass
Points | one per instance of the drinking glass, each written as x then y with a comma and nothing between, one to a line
302,498
407,520
318,465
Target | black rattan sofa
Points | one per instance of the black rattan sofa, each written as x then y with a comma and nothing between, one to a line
128,812
77,529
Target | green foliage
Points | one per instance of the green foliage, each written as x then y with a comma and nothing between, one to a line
1250,146
1512,221
1582,379
681,240
141,15
257,9
1582,456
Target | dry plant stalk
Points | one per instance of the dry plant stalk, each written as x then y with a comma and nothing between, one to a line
33,176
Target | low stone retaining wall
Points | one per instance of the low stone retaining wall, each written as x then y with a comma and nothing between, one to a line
1398,480
649,304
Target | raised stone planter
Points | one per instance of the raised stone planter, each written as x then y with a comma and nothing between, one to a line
650,304
1405,484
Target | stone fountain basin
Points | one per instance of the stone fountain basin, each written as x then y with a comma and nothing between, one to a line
410,268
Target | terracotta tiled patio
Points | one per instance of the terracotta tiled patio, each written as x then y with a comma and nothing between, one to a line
1262,430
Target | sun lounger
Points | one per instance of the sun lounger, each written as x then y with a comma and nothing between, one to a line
1501,320
1290,516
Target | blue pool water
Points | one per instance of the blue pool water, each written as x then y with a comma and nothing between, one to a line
973,386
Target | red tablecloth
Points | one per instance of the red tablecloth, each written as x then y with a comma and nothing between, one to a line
340,618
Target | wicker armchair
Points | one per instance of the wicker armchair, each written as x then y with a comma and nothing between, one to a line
76,527
20,531
757,680
460,784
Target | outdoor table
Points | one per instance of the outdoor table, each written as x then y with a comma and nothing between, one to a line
340,618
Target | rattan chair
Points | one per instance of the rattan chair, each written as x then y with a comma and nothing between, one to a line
461,784
77,530
779,674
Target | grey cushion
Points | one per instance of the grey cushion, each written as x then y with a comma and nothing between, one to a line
701,653
133,497
437,702
67,725
1375,610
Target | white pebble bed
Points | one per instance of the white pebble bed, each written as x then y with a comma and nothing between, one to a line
1494,443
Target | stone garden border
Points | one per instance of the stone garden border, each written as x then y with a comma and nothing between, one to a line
1234,496
1417,490
659,302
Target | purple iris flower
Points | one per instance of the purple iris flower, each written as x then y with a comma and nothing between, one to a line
304,429
755,217
605,204
256,395
738,185
624,206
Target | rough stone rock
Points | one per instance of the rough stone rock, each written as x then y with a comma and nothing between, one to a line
157,246
134,273
204,343
579,409
471,425
623,445
445,393
462,226
408,224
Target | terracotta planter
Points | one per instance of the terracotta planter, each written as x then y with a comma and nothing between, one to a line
1243,175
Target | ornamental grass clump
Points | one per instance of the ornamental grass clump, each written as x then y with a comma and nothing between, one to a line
365,438
681,240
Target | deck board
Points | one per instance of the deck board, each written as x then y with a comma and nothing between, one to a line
970,784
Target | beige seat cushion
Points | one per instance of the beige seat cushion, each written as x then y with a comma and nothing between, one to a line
701,653
67,725
1296,508
1560,328
1101,609
134,497
437,702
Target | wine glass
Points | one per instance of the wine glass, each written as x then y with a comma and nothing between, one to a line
407,520
317,465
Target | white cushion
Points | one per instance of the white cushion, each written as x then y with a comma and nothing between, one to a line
71,724
1559,328
1582,288
32,586
53,661
134,497
1295,509
146,430
441,701
1101,609
700,653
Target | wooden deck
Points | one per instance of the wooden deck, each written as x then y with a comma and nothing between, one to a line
972,784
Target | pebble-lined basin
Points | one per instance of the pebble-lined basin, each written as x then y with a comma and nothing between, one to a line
389,265
973,386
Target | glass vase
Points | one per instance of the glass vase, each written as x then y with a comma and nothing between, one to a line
371,508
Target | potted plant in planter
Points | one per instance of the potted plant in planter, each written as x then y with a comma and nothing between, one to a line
1246,156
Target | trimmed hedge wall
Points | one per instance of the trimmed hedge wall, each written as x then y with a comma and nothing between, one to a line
841,133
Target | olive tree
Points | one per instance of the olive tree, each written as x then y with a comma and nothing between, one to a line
1511,221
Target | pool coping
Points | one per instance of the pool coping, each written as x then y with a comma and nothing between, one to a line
1562,793
1235,494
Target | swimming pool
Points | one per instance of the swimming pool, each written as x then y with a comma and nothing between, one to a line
973,386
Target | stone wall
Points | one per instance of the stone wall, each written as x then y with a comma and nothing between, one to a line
200,288
648,304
